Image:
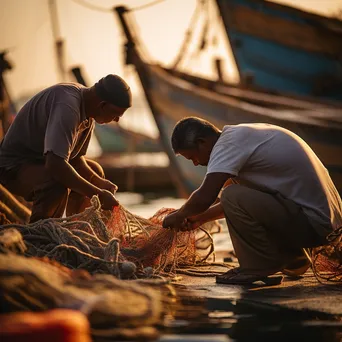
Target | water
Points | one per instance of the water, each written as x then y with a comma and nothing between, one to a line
240,321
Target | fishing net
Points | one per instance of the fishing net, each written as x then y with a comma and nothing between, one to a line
147,244
83,262
4,219
115,308
118,243
327,260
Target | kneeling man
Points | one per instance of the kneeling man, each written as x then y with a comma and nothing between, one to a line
280,199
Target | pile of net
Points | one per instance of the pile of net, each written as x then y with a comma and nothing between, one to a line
115,308
93,262
118,243
327,260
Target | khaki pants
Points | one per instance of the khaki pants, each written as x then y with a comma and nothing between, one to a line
267,230
49,197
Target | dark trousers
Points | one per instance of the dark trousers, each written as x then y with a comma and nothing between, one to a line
267,230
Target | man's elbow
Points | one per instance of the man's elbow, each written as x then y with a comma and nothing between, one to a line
77,162
203,203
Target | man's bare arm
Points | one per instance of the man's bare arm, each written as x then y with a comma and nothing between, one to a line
201,199
83,169
64,173
215,212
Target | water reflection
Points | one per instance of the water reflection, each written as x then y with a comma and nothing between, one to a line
243,321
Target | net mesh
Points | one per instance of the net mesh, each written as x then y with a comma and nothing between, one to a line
116,309
327,260
118,243
82,262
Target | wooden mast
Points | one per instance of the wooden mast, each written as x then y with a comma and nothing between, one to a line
59,41
133,57
6,104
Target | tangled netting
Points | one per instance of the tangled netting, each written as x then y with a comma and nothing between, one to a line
119,243
327,260
115,308
82,262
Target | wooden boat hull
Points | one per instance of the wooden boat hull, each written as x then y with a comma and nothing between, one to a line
279,48
175,99
173,96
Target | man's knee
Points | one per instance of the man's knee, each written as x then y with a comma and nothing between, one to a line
96,167
49,200
230,198
22,179
50,190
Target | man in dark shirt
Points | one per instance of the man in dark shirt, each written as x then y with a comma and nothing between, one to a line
42,156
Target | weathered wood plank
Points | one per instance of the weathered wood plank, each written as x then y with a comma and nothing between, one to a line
289,33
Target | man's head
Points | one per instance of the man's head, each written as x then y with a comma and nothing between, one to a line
114,97
194,139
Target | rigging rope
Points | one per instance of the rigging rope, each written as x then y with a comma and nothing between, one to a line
150,4
96,8
189,34
92,6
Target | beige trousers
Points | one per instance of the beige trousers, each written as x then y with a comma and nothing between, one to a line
267,230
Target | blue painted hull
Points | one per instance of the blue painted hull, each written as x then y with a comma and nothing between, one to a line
284,50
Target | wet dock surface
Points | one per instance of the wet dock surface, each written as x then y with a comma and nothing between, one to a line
296,310
304,293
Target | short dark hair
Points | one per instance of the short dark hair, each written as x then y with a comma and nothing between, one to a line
113,89
187,132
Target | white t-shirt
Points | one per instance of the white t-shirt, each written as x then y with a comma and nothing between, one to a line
272,157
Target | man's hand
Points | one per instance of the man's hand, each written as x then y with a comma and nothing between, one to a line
189,224
107,199
105,184
192,224
174,220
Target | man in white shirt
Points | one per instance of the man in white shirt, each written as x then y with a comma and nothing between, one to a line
280,200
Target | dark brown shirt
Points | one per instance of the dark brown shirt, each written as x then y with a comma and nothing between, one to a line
53,120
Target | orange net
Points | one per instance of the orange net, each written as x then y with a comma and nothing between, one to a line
119,242
118,245
146,243
327,260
